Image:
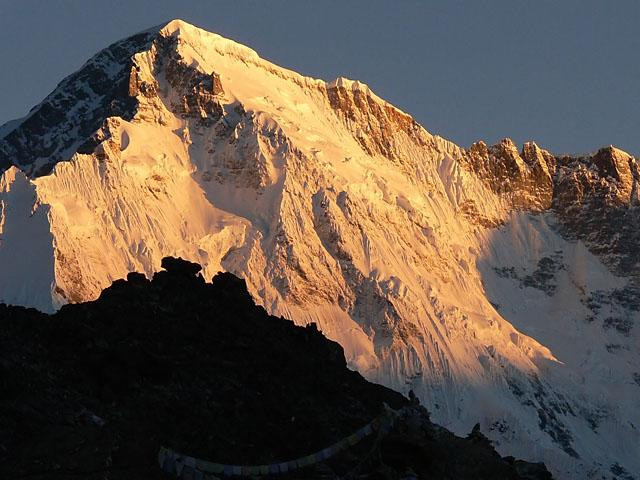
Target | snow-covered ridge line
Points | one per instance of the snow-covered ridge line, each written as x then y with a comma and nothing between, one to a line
194,35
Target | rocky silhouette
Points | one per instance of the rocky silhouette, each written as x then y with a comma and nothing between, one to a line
96,389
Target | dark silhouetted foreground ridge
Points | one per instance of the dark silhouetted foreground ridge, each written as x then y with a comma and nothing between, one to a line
93,391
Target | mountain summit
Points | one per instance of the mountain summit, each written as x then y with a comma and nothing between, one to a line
499,284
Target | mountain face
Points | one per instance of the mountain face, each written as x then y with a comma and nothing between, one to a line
97,389
501,285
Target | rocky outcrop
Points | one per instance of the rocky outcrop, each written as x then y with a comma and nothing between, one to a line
524,179
374,124
194,94
608,175
97,388
594,197
616,164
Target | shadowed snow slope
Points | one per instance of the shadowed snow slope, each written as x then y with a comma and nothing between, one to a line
482,279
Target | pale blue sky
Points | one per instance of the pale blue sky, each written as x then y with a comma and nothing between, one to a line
563,73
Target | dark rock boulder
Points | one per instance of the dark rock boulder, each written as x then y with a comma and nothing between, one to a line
178,266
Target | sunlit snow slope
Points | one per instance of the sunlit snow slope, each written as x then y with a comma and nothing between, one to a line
448,271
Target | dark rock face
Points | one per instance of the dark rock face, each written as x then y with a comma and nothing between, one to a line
196,94
58,126
542,278
94,390
75,117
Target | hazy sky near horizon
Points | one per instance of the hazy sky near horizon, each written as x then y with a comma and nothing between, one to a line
563,73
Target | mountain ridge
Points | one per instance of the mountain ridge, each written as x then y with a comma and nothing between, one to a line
413,253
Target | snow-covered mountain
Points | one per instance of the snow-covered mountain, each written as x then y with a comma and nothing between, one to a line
502,286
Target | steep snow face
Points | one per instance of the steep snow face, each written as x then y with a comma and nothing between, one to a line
556,291
340,209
